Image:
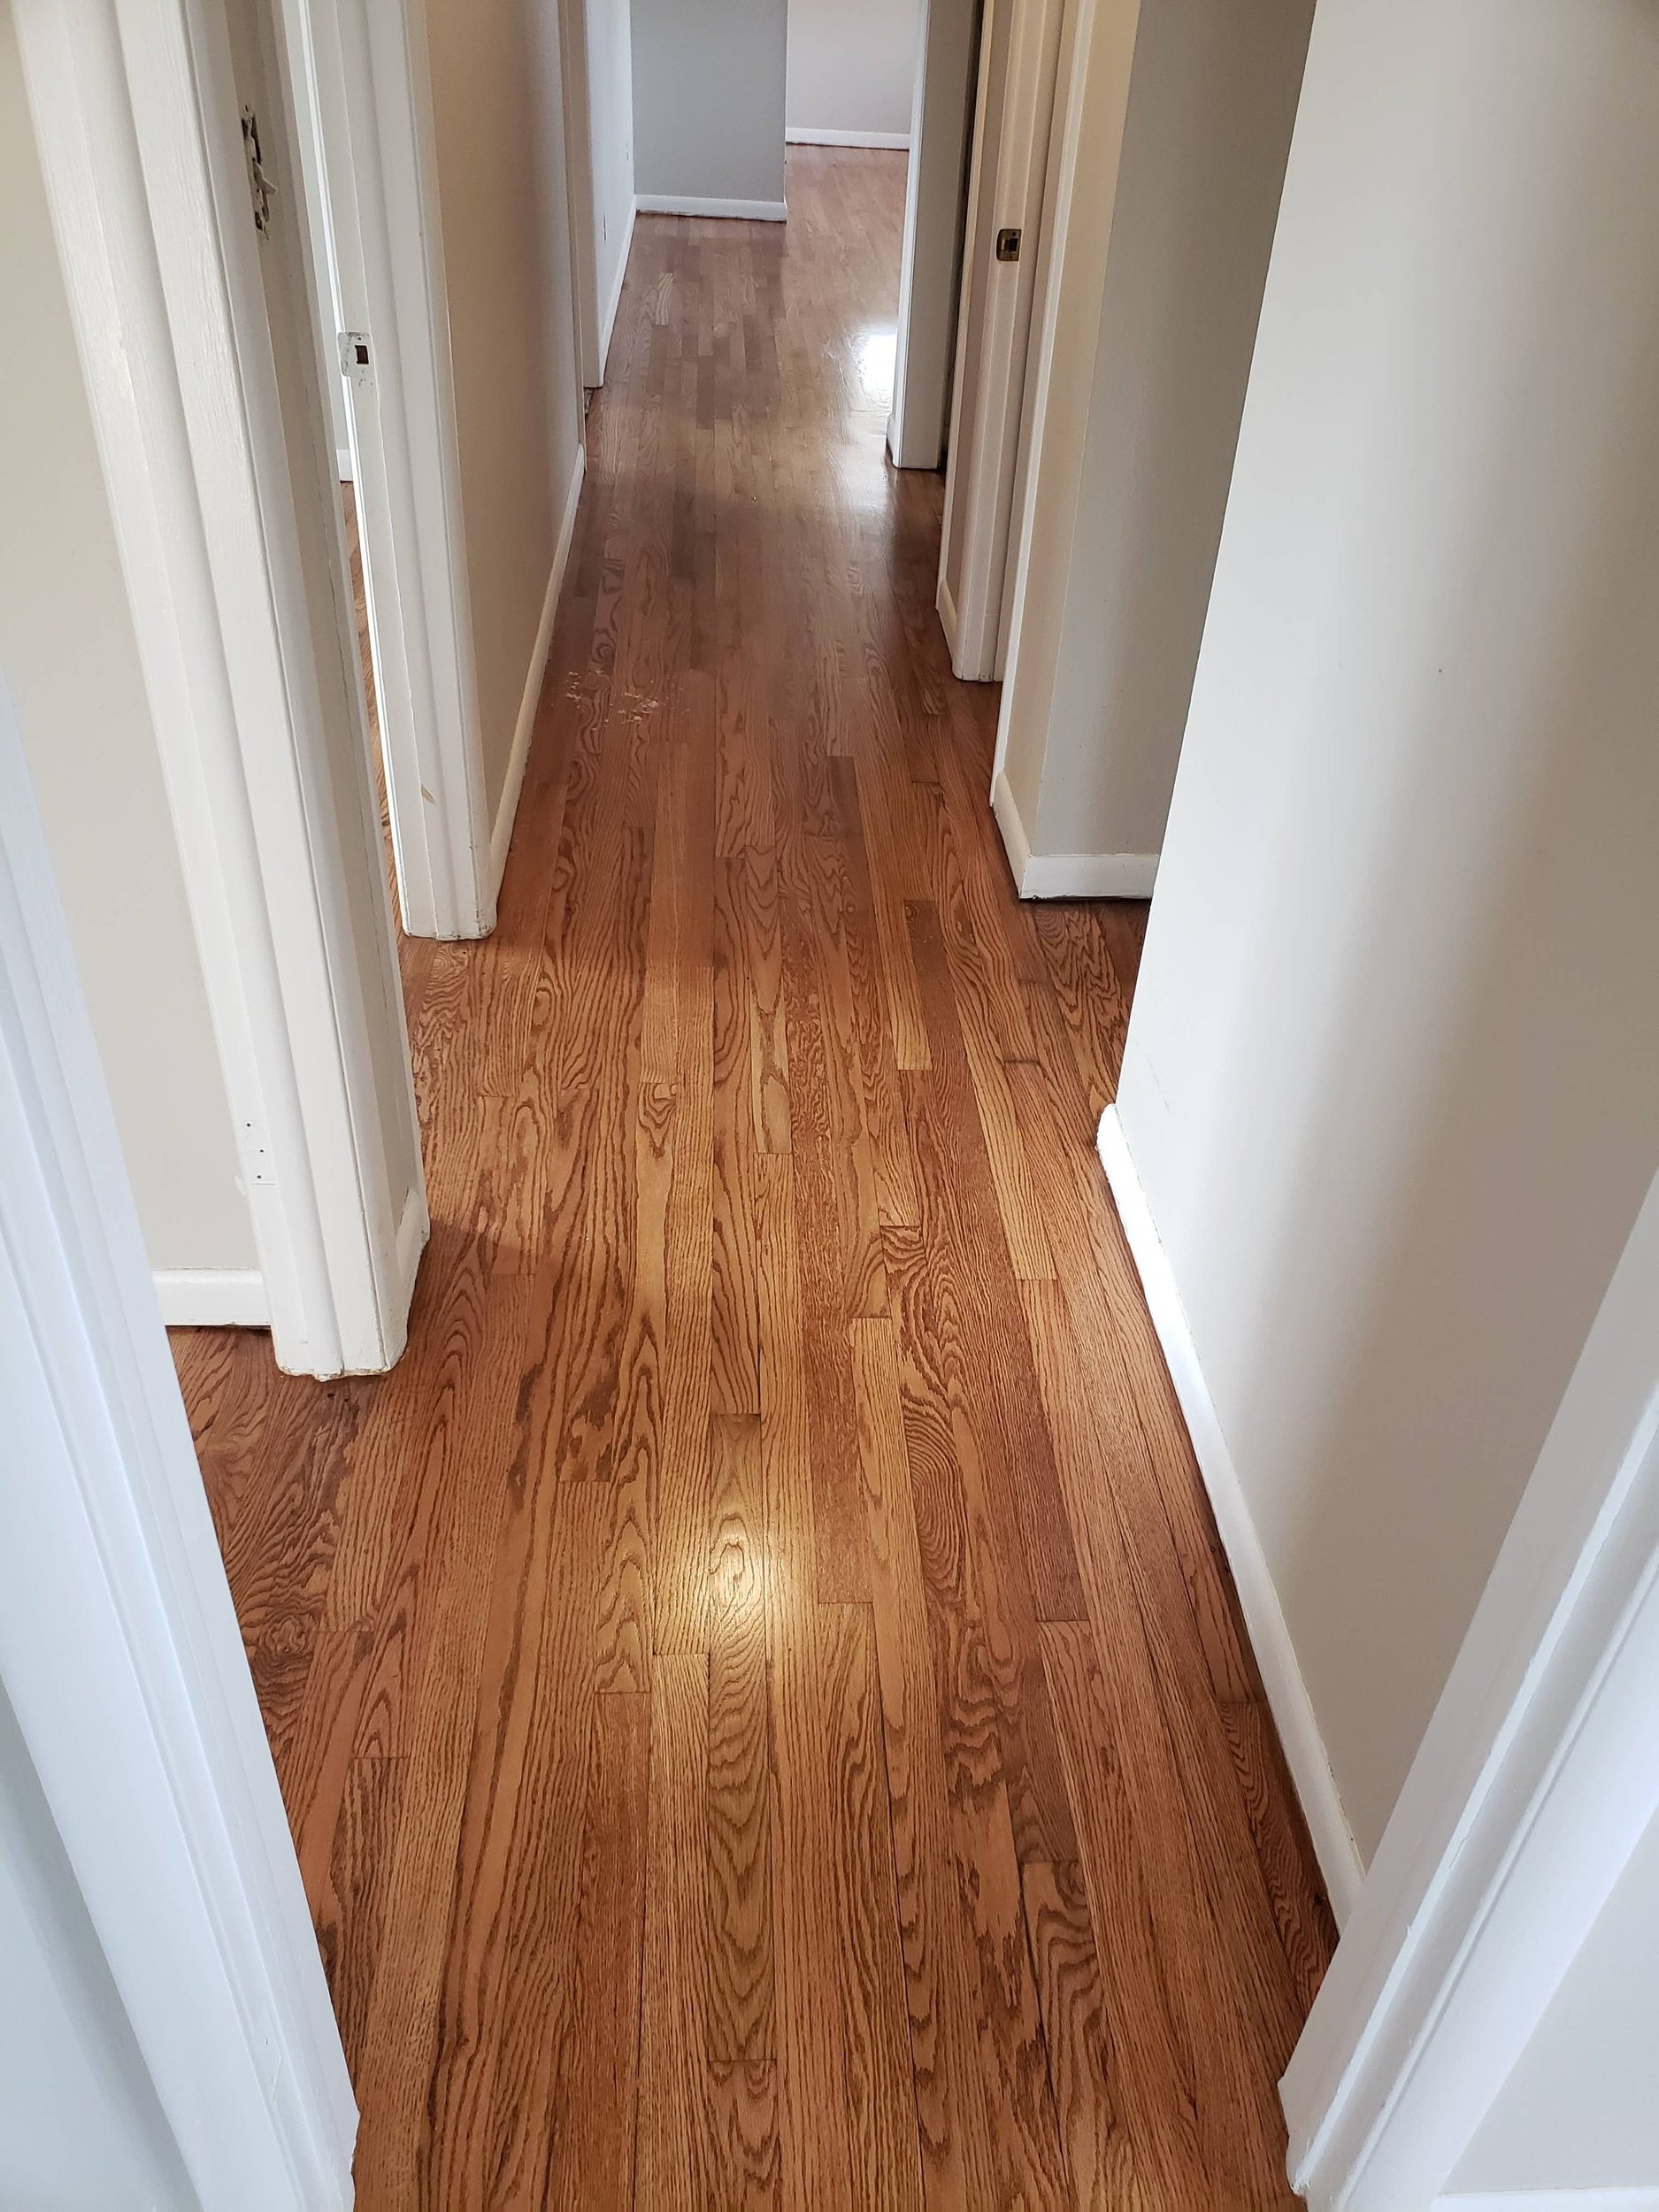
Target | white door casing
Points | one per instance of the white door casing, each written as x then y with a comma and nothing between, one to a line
1536,1778
361,88
119,1651
246,653
1012,134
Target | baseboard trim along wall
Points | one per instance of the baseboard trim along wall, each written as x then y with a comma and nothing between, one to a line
1065,875
213,1297
413,1228
897,142
344,465
946,608
609,321
1551,2200
506,812
1286,1693
739,211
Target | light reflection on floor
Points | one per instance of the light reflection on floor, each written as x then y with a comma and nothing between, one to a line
874,351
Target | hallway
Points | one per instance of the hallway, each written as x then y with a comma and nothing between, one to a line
756,1689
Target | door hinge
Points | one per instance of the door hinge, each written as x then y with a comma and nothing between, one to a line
1008,245
354,355
260,188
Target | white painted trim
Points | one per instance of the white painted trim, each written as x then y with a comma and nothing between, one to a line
344,467
897,142
137,119
1016,844
930,258
1291,1709
1536,1778
592,333
1089,876
506,812
1551,2200
946,609
608,326
414,1227
998,326
213,1297
1065,875
119,1650
359,73
682,203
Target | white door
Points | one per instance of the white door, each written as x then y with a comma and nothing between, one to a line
1002,263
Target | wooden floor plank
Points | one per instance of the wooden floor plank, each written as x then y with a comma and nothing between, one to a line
757,1691
593,2132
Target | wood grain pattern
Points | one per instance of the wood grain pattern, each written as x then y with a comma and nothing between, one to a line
757,1692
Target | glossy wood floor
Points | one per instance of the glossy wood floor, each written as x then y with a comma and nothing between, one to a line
763,1712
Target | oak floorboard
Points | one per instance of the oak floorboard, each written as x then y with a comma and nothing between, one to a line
756,1689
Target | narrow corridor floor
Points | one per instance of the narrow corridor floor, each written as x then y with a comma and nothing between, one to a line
757,1691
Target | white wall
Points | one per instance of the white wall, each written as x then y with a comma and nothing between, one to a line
1392,1081
852,69
499,129
1124,530
80,2129
707,100
1581,2109
68,653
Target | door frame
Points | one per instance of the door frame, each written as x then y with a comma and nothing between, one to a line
139,131
119,1650
360,82
1534,1782
998,315
1091,109
578,180
930,261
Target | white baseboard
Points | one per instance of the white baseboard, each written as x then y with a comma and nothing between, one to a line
213,1297
1089,876
1643,2200
1063,875
739,211
897,142
413,1228
609,321
344,467
947,607
506,812
1293,1712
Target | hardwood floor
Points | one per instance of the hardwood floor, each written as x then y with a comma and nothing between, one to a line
763,1711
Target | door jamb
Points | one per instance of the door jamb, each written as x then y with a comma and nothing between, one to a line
359,76
579,173
1535,1780
119,1650
138,126
1012,128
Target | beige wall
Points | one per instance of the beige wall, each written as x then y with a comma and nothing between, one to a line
68,653
1392,1082
1124,539
498,118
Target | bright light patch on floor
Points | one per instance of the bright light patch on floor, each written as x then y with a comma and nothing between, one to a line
876,351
